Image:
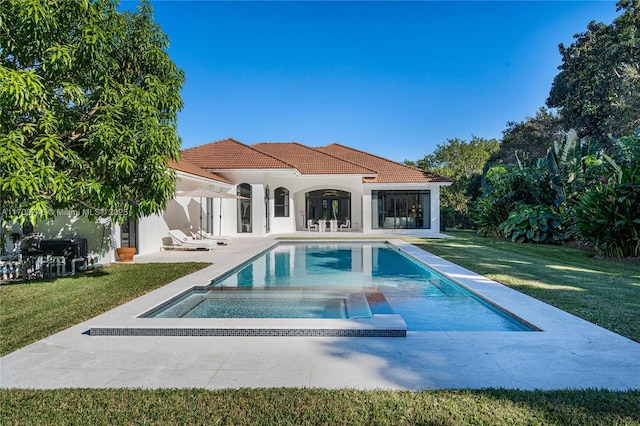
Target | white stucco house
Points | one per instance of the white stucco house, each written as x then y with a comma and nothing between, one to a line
286,187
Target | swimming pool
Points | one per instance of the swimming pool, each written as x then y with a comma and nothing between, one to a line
340,280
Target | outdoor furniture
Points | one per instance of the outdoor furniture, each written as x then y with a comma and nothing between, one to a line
311,225
11,269
346,226
199,234
182,241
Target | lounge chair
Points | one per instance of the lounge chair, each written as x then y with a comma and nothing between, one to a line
311,225
199,234
346,226
181,240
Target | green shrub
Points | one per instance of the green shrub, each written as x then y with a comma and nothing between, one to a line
486,218
504,187
447,217
608,215
608,212
535,224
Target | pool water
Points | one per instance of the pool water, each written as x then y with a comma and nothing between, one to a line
341,280
221,302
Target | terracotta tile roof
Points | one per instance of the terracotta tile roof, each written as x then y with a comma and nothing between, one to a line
309,161
388,171
231,154
331,159
187,167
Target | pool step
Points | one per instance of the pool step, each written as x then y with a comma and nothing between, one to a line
385,325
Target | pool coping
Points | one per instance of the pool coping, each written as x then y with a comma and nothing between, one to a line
128,319
384,325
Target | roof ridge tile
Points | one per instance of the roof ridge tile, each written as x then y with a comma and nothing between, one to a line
293,155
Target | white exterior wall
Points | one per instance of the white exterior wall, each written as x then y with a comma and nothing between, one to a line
282,225
151,232
366,209
258,220
435,208
98,234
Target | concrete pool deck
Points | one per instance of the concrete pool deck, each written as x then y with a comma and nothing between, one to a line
568,353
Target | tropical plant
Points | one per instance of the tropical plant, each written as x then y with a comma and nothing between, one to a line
608,215
570,163
608,212
88,110
504,187
485,219
625,158
536,224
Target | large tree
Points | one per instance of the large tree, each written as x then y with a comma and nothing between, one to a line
88,109
463,162
530,139
597,91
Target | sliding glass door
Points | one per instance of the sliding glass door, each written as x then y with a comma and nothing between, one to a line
400,209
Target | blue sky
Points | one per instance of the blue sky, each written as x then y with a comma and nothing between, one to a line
391,78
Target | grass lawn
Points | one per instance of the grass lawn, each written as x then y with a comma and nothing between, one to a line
603,292
282,406
34,310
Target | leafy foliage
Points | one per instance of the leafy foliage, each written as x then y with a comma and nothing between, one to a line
575,192
529,139
571,164
608,215
597,90
506,186
89,101
608,212
463,162
483,214
536,224
625,159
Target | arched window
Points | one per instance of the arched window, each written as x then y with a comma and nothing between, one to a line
244,208
281,202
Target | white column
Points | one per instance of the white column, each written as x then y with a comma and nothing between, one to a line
366,210
435,208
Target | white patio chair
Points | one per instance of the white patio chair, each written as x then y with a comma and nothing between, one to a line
311,225
181,240
345,226
200,234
